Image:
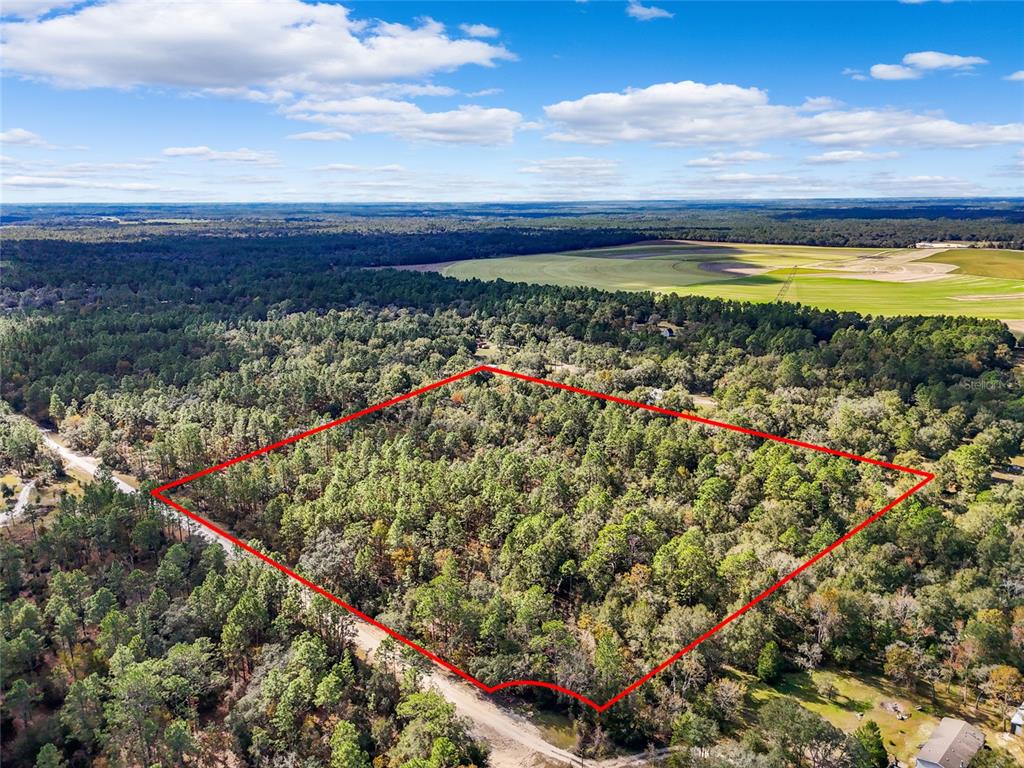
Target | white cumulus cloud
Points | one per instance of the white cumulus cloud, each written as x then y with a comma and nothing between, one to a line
479,30
24,138
371,114
937,60
916,64
894,72
646,12
690,113
273,51
301,46
820,104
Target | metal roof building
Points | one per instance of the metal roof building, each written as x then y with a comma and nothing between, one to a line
953,744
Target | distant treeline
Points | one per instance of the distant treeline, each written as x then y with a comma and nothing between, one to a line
340,249
423,236
856,232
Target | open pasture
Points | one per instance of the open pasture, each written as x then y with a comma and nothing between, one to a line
974,282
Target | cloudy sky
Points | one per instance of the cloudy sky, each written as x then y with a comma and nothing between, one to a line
222,100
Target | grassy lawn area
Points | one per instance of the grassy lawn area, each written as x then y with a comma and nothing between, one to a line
860,698
987,284
13,483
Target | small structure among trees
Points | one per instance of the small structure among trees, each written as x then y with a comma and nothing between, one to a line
1017,721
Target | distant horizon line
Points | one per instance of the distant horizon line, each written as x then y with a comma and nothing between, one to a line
629,201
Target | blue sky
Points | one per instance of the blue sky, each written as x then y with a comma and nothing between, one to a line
162,100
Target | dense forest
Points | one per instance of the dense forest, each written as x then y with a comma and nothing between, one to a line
519,531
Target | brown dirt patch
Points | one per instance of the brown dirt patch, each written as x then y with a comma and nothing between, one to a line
989,297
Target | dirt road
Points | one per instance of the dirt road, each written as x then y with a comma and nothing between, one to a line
514,741
89,466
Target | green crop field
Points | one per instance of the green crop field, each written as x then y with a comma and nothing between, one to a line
975,282
986,262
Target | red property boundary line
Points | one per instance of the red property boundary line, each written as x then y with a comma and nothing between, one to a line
926,477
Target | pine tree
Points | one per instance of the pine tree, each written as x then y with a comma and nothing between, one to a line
345,749
870,737
769,664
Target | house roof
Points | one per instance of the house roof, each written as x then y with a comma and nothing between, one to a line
952,744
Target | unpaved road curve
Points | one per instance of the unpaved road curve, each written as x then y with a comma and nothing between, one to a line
19,504
514,741
89,466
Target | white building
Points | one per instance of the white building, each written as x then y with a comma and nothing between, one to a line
1017,721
